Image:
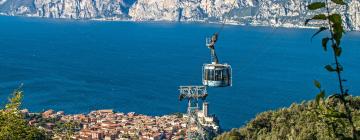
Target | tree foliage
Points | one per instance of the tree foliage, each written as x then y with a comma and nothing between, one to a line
336,30
13,125
335,117
299,121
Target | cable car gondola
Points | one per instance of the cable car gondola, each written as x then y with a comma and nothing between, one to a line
216,74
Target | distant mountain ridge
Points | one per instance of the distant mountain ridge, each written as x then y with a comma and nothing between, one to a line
286,13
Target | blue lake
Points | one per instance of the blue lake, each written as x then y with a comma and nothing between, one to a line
79,66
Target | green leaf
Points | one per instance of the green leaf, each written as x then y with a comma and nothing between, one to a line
337,25
321,95
338,32
338,51
324,42
316,5
330,68
338,29
317,84
316,17
320,17
341,2
335,18
319,31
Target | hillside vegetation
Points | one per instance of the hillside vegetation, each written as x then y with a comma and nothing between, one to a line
13,125
299,121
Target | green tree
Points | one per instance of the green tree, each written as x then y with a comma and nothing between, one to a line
297,122
13,125
334,24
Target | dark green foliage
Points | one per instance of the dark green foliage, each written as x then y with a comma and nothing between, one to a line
316,17
335,117
320,17
330,68
337,27
316,5
337,50
335,18
341,2
317,84
339,113
325,42
320,96
303,121
13,125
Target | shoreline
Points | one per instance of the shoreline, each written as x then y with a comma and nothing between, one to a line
228,23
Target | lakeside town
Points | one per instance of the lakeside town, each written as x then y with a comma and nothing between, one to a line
110,125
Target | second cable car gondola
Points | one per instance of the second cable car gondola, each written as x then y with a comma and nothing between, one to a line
216,74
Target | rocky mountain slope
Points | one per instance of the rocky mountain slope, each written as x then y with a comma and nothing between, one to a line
288,13
73,9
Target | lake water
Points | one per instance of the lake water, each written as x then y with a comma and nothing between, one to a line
79,66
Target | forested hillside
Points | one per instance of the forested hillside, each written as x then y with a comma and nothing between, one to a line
299,121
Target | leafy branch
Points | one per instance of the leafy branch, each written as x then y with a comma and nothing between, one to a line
334,25
13,125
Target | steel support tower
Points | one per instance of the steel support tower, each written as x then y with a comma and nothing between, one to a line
193,94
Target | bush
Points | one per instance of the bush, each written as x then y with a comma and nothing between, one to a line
13,125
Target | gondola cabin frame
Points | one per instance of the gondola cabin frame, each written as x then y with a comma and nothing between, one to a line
217,75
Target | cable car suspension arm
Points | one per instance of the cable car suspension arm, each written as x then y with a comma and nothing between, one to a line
211,46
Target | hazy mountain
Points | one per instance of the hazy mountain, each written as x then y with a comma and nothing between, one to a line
75,9
289,13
